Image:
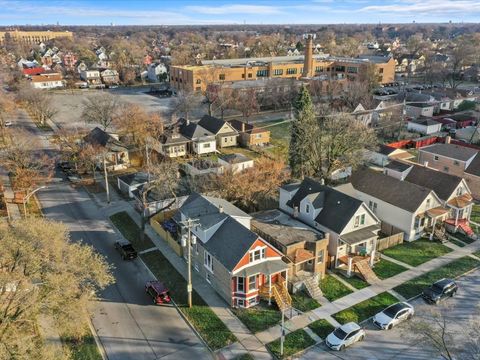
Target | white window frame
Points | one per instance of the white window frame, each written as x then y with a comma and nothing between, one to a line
254,288
208,264
243,284
261,250
241,302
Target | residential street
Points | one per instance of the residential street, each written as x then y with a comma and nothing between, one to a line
128,324
390,344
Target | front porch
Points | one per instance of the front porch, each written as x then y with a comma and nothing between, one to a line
459,215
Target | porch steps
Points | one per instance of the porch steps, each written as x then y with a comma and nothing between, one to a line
366,271
311,285
440,234
282,297
465,228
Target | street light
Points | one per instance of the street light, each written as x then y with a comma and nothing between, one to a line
25,199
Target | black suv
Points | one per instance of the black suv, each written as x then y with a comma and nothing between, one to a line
440,290
126,250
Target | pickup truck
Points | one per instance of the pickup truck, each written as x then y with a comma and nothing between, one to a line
126,250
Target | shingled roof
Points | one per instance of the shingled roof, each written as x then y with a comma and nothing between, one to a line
402,194
213,124
452,151
98,137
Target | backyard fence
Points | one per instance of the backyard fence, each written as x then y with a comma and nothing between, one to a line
389,241
156,223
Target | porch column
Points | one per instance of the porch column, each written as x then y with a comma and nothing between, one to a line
349,271
433,228
469,212
372,256
286,278
270,289
456,216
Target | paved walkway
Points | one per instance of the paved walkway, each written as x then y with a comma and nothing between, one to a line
12,209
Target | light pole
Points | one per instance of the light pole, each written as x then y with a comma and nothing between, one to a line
26,197
106,177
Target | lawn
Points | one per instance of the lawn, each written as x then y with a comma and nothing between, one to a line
332,288
131,231
417,252
385,269
476,253
462,237
82,349
238,150
475,215
294,342
322,328
365,309
258,318
355,281
211,328
279,129
301,301
456,268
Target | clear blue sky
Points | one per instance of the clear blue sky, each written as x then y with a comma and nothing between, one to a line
176,12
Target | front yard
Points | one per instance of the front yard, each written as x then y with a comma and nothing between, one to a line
211,328
365,309
475,215
333,289
258,318
417,252
84,348
303,302
131,231
456,268
322,328
355,281
294,342
385,269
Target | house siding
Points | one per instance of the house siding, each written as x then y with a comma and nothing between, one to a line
444,164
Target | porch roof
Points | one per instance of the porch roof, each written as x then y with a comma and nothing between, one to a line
269,267
301,255
360,235
461,201
436,212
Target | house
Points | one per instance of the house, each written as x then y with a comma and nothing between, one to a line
240,265
250,135
202,141
47,81
400,205
224,132
110,77
171,144
461,120
116,155
397,169
362,115
305,249
421,109
157,72
92,77
69,60
424,126
385,154
352,227
130,182
235,162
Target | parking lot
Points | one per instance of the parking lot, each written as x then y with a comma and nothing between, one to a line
392,344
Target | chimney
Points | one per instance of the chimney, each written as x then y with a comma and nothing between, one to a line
295,212
243,127
425,163
308,59
447,139
220,209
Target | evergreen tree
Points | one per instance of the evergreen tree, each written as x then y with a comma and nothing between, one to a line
303,147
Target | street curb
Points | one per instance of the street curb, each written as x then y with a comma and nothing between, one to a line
99,343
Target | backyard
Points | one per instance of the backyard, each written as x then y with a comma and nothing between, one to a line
279,136
475,215
417,252
294,342
456,268
385,269
332,288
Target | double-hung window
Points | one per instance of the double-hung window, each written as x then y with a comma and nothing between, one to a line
208,261
252,283
240,284
257,255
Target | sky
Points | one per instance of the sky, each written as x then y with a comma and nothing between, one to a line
198,12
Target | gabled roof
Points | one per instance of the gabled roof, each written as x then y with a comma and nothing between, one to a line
452,151
213,124
425,122
442,183
98,137
337,208
474,167
173,138
194,131
385,149
402,194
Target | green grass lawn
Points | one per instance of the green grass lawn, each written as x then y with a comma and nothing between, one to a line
303,302
456,268
475,215
322,328
476,253
365,309
385,269
332,288
456,242
257,318
131,231
211,328
417,252
82,349
279,129
466,239
294,342
355,281
238,150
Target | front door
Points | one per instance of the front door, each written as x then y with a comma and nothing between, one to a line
460,213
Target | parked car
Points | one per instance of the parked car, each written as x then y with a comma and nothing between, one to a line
393,315
345,336
158,291
8,123
126,250
440,290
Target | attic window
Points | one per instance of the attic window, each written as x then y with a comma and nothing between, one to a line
258,254
307,208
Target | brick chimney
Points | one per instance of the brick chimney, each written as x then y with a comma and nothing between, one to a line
308,59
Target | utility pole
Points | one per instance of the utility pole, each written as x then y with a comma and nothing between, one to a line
191,240
106,178
282,337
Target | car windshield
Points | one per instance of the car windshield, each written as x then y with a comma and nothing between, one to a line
437,288
339,333
391,311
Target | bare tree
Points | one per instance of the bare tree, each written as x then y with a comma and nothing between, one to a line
38,103
184,103
357,92
101,109
461,56
246,102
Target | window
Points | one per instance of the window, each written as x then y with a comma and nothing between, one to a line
249,75
196,248
240,302
459,191
291,71
445,168
319,69
252,283
208,278
380,70
278,72
258,254
252,301
357,219
372,206
362,219
428,203
240,284
195,265
221,77
262,73
208,261
206,145
340,68
243,76
455,162
307,208
320,256
352,70
435,158
199,81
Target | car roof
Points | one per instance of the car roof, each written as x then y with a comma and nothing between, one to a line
158,286
444,282
397,307
349,327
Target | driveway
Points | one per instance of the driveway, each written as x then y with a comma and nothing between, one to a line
383,345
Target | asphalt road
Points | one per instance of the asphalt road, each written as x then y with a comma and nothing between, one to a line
129,326
391,344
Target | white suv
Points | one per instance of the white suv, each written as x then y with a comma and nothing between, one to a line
345,336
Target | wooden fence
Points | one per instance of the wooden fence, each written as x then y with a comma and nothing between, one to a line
156,223
389,241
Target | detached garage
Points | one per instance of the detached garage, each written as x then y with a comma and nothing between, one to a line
130,182
424,126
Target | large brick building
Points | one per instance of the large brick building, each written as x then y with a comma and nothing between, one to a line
197,77
32,37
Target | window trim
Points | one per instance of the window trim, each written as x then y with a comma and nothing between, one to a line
207,255
263,254
243,284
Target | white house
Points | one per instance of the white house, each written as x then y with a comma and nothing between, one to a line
424,126
417,110
400,205
47,81
235,162
202,140
385,154
155,72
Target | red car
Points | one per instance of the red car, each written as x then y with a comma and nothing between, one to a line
158,291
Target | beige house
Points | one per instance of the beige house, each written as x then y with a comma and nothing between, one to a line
225,134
